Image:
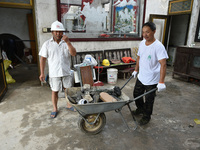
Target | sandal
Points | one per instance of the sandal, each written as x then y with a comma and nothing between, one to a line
53,114
71,109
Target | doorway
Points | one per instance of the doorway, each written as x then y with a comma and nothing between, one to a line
173,31
21,25
17,40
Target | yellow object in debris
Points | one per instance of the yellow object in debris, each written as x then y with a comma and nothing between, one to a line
197,121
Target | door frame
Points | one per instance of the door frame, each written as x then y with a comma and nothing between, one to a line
166,18
5,88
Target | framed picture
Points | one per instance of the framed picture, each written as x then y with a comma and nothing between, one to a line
17,3
102,20
126,17
197,35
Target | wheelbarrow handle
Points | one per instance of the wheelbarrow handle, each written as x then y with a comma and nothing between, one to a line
127,82
142,95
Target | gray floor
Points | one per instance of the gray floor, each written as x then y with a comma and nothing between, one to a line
25,119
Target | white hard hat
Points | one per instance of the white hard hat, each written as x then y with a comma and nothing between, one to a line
83,101
57,26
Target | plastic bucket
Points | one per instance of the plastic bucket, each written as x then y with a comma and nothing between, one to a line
112,75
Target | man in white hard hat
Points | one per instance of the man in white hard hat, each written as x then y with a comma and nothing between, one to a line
57,51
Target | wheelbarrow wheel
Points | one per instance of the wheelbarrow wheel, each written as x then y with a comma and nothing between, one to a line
92,128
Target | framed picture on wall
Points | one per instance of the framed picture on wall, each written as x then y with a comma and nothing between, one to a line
197,36
102,20
125,17
17,3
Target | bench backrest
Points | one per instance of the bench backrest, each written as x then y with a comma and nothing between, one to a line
117,53
103,54
81,55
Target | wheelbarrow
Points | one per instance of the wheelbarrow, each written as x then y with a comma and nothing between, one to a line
92,115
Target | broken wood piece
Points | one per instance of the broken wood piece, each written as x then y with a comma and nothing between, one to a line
106,97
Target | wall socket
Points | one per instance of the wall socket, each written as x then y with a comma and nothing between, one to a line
46,30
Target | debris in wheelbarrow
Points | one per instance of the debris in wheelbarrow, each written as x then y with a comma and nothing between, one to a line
91,95
117,91
87,96
83,101
107,97
96,97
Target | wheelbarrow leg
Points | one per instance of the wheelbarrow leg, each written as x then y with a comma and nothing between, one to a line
119,111
131,113
132,116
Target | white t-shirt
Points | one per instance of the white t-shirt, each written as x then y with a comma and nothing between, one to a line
149,66
58,57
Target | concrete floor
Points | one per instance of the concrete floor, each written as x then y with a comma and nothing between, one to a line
25,122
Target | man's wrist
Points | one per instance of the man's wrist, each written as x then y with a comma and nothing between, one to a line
68,42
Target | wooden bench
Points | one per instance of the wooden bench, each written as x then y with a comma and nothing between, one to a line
116,54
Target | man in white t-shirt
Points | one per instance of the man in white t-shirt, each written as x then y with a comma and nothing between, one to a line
57,51
151,65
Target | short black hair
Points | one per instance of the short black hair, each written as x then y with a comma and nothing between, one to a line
151,25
